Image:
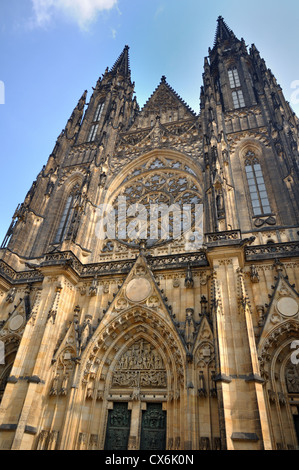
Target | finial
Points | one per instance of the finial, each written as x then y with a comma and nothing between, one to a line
142,245
163,79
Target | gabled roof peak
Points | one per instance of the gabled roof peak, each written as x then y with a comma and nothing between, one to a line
172,92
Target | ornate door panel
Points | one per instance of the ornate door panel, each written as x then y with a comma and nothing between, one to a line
118,427
153,428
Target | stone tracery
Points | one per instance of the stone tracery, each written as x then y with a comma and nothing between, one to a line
160,180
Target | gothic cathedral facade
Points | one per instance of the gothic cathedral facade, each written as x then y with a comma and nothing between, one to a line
127,341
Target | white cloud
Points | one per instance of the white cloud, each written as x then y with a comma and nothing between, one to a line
160,10
83,12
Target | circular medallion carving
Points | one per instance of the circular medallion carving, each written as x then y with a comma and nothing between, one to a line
287,306
138,289
16,322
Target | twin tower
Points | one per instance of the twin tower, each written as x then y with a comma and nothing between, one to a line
132,341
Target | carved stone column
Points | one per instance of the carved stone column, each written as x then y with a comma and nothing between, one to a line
136,414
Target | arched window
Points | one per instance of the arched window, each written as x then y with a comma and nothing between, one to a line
95,125
99,112
235,85
234,79
67,215
257,187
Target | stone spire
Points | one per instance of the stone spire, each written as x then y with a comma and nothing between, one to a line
75,120
122,65
223,32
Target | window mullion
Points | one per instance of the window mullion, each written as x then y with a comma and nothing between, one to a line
257,189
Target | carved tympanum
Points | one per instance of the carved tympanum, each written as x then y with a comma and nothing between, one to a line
140,366
292,378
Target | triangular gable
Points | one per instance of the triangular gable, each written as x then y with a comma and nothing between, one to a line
69,346
139,289
163,100
17,319
203,348
284,306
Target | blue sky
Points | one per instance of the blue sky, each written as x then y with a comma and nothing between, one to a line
52,50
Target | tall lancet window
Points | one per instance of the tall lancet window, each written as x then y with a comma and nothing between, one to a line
67,215
234,79
95,125
235,85
257,187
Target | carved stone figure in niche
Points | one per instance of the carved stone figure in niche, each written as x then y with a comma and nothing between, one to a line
54,388
89,393
64,385
51,182
85,333
292,378
11,296
93,290
189,282
220,204
102,181
189,328
204,305
254,275
204,279
201,385
261,314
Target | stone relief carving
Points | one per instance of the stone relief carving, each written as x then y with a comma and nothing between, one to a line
205,354
292,378
140,366
11,295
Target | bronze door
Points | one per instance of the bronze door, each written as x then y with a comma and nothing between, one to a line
296,422
153,428
118,427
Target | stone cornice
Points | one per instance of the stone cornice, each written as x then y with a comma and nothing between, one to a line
273,251
67,262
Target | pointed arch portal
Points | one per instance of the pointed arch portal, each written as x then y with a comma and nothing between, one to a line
139,365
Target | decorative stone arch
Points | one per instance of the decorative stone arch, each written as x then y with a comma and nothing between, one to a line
254,149
118,333
248,140
174,155
166,178
99,379
71,186
275,354
71,178
10,346
250,146
205,366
